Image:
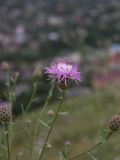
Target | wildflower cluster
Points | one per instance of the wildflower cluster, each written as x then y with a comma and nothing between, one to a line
62,72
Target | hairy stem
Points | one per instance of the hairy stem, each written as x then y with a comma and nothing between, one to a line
41,113
47,99
51,127
7,139
32,97
8,83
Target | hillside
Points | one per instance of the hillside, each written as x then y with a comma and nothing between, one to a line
84,126
38,27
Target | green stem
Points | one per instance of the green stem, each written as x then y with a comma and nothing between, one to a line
19,157
94,147
32,97
7,76
7,138
47,99
51,127
41,113
44,107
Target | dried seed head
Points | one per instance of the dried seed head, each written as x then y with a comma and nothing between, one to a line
37,73
114,123
4,112
5,66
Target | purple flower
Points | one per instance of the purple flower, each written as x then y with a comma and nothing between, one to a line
62,70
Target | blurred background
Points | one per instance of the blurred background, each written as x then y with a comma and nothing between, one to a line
33,32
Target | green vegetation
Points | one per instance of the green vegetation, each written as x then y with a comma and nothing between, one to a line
84,126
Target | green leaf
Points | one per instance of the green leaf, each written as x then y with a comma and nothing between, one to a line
63,113
92,156
44,124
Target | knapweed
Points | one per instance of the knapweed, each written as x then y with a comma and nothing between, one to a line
4,112
63,72
114,123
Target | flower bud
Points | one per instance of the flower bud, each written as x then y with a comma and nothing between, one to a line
4,112
16,75
114,123
28,121
50,113
67,143
13,95
5,66
37,73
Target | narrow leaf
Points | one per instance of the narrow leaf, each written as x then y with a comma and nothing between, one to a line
44,124
63,113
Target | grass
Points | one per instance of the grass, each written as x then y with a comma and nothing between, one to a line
84,126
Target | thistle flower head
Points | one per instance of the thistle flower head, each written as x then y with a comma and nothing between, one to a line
62,71
114,123
5,66
4,112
